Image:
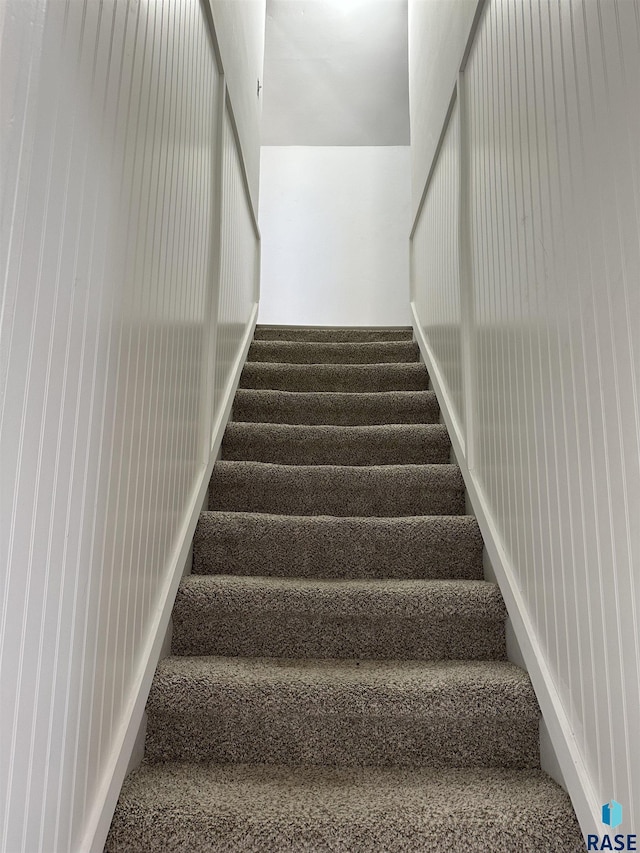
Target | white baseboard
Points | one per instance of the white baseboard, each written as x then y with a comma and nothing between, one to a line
559,748
100,817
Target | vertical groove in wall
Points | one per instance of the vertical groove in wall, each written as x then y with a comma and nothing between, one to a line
553,126
435,272
107,266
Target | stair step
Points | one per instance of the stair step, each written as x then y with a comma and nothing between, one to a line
375,619
341,490
342,712
285,444
335,377
339,678
208,808
333,334
337,408
241,543
312,352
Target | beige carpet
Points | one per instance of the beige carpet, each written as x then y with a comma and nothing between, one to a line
338,678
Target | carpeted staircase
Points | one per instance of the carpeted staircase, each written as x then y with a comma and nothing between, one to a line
338,678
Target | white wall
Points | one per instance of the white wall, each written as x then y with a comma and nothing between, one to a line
335,222
537,360
336,73
335,173
129,260
438,33
240,30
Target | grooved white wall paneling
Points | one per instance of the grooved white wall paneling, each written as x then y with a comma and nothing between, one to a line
334,224
239,264
434,251
130,261
529,322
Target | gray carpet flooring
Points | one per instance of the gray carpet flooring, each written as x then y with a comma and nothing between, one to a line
303,444
342,490
360,378
335,408
305,352
338,678
373,619
319,334
428,547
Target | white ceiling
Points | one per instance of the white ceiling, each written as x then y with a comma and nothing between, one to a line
336,73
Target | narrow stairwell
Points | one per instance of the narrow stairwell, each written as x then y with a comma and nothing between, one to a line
338,678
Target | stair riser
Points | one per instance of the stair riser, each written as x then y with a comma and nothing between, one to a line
388,492
278,546
329,335
355,378
340,409
290,352
218,632
261,734
236,497
336,446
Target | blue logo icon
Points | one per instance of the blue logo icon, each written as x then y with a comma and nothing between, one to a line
612,814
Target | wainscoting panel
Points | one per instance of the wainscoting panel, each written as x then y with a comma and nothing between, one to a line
109,208
239,261
550,129
553,110
436,271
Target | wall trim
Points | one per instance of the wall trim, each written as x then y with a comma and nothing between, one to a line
100,817
475,25
434,161
243,166
570,759
207,11
440,387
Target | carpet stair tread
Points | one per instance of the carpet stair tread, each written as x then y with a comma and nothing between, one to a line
242,543
305,444
342,712
335,377
291,617
335,407
314,352
209,808
359,687
328,334
435,598
341,490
